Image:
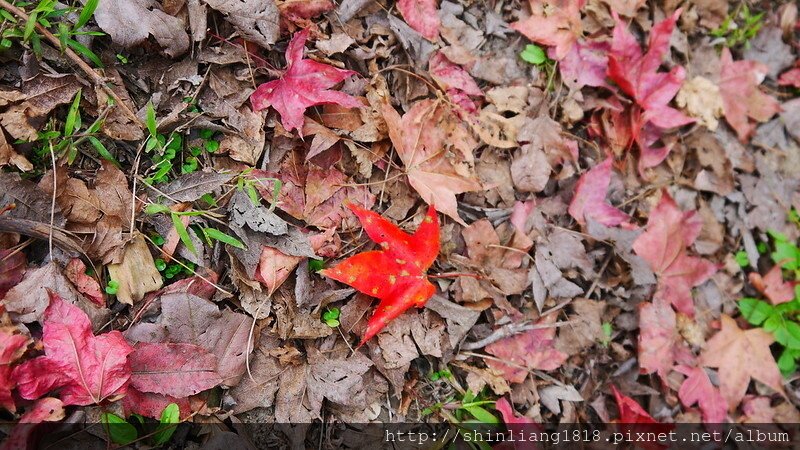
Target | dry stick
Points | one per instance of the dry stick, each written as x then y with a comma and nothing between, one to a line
96,78
507,331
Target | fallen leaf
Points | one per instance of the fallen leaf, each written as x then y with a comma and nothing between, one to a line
741,355
27,301
12,269
39,96
772,285
659,340
188,319
176,370
532,349
590,194
396,274
636,73
9,156
702,99
137,273
456,82
663,245
741,98
44,410
585,64
305,83
84,368
697,388
13,345
630,412
504,407
302,388
556,23
436,150
130,22
86,285
275,266
259,391
422,16
255,20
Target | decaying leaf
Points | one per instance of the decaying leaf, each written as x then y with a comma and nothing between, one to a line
137,273
741,355
256,20
526,351
131,22
436,150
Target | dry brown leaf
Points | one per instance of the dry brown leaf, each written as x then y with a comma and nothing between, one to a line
136,274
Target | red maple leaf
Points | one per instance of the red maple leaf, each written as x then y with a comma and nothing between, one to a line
533,349
772,285
636,73
395,274
86,369
629,410
741,98
305,83
422,16
663,245
590,198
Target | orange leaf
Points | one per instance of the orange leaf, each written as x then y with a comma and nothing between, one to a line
396,274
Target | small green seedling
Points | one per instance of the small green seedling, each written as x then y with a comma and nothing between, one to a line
440,374
331,317
170,418
741,259
739,27
315,265
608,331
533,54
112,287
118,429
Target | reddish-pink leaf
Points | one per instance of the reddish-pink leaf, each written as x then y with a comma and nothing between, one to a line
630,411
510,416
663,245
422,16
274,266
12,346
458,84
553,23
741,98
86,285
23,435
590,198
305,9
790,78
658,337
86,369
305,83
585,64
396,274
12,269
637,75
177,370
149,404
533,349
772,285
697,388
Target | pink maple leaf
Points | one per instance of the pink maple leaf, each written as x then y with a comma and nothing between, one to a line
741,98
663,245
12,346
26,434
533,349
791,77
697,388
590,198
305,83
458,84
585,64
422,16
86,369
772,285
636,73
553,23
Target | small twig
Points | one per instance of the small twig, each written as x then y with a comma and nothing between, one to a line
96,78
52,201
507,331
